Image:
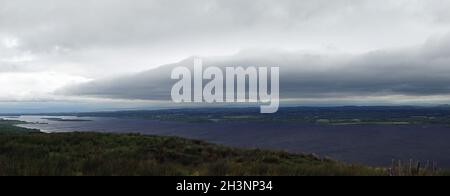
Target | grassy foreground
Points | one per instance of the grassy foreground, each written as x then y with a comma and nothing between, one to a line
26,153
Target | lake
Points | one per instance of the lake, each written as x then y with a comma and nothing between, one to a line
375,145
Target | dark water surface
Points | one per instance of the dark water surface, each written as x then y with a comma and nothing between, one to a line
374,145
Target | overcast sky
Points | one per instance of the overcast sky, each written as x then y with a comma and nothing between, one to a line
50,46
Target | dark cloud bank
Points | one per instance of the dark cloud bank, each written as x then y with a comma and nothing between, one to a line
420,71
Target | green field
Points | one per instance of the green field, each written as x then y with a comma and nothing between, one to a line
8,126
24,153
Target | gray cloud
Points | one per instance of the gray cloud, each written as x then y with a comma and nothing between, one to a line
44,24
418,72
93,39
88,36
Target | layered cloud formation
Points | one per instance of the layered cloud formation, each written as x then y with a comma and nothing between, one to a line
386,50
420,72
